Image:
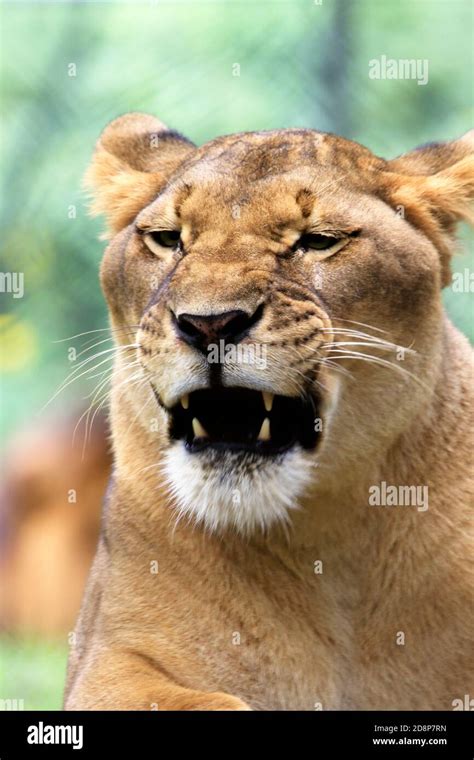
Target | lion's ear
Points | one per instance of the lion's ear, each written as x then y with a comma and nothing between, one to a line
434,188
134,157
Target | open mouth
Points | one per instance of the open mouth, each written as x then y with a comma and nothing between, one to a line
239,419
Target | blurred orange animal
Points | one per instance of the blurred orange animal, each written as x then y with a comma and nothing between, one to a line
49,522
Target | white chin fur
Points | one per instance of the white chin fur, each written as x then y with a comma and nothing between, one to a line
235,490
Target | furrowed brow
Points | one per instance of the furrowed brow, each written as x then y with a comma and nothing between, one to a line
181,196
305,200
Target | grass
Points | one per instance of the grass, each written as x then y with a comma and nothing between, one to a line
33,670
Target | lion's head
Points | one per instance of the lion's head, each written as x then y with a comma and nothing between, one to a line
283,293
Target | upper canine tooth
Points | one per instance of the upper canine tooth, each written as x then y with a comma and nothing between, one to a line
185,401
264,434
267,400
198,429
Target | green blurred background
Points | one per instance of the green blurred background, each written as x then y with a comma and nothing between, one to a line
300,63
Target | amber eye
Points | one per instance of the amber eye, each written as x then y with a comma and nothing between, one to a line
165,238
317,242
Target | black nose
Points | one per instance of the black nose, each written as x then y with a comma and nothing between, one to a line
201,331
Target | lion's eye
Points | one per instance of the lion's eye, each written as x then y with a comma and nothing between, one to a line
318,242
166,238
156,239
321,246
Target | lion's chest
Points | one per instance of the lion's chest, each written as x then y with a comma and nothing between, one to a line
282,650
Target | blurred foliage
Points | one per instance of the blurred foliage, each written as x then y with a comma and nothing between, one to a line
33,670
301,64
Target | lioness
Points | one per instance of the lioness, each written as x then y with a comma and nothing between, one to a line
288,522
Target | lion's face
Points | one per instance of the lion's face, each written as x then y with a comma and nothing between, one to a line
263,275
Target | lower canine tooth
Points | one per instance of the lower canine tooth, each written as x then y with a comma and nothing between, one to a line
198,429
185,401
264,434
267,400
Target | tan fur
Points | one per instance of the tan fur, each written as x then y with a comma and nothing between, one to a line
238,621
